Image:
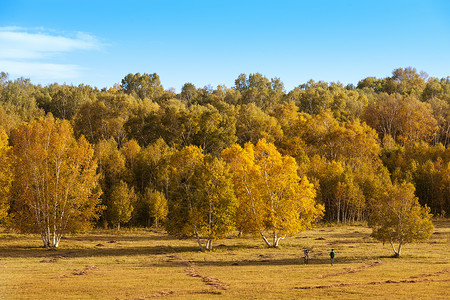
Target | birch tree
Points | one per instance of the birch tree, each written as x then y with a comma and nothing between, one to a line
201,201
121,204
55,181
397,217
157,205
271,196
5,174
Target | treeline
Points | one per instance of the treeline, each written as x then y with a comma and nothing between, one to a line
350,142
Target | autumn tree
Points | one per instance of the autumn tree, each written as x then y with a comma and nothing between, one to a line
406,120
271,196
417,122
130,150
5,174
441,112
55,181
157,206
397,217
384,115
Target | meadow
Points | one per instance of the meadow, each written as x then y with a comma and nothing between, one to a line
146,264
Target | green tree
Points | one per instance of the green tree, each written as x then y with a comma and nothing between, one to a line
188,92
397,217
121,204
112,169
157,206
201,200
105,117
406,81
257,89
63,101
217,200
144,86
253,124
18,98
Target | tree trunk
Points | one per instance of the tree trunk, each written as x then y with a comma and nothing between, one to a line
199,241
57,240
396,252
277,241
265,240
118,227
338,210
44,240
400,248
209,243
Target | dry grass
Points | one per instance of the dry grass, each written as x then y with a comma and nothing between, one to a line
139,264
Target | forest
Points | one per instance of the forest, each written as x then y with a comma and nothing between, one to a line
253,157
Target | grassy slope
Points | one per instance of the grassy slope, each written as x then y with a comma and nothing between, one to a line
141,265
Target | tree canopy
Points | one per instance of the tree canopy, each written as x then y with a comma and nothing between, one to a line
338,146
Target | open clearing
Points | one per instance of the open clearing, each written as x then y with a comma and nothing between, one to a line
146,264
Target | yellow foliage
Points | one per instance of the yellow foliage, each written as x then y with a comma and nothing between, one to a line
5,174
55,180
270,194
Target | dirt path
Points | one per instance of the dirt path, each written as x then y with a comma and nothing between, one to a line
80,272
352,270
193,271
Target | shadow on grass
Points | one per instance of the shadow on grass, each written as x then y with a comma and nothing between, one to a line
118,238
39,252
281,262
110,245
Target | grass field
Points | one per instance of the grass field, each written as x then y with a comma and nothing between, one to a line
144,264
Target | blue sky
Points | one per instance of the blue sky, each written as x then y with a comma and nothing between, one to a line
212,42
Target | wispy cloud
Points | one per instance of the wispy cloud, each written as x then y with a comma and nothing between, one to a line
30,52
41,70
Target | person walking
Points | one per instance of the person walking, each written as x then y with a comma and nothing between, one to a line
306,252
332,256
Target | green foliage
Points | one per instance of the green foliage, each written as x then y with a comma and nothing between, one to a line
120,204
157,206
200,199
397,217
143,86
254,124
135,126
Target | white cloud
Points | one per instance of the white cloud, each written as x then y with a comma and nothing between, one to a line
30,52
41,70
19,43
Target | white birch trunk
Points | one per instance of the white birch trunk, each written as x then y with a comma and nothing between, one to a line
199,241
265,240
